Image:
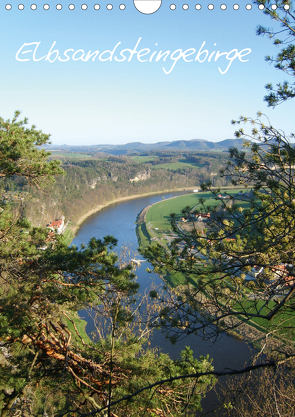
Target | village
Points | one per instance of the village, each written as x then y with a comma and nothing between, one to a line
58,226
55,227
278,277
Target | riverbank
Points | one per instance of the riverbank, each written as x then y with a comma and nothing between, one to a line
72,230
150,229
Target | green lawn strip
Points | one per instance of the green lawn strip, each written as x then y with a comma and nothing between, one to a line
68,236
174,279
143,236
177,279
244,204
160,226
209,204
259,323
236,308
80,325
162,210
156,230
281,318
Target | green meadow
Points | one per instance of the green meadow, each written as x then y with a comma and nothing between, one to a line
160,213
282,319
182,163
157,227
66,155
158,216
143,159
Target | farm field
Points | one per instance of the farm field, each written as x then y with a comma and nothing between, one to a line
158,216
66,155
179,165
157,227
143,159
160,213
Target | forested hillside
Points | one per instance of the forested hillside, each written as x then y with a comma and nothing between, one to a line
89,183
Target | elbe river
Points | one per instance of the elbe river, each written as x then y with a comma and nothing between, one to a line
118,220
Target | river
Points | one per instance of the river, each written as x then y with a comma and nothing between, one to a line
118,220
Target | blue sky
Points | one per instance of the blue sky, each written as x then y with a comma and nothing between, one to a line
117,102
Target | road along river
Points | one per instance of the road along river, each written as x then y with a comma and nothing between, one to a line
118,220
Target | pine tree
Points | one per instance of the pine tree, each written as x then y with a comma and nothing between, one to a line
282,12
241,269
48,365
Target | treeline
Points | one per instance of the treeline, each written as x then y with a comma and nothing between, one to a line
89,183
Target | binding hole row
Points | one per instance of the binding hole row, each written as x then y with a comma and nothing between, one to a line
123,7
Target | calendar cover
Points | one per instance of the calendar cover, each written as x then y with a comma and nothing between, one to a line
120,73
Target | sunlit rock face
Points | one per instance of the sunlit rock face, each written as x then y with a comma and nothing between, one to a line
141,176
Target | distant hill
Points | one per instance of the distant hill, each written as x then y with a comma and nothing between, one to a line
177,145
